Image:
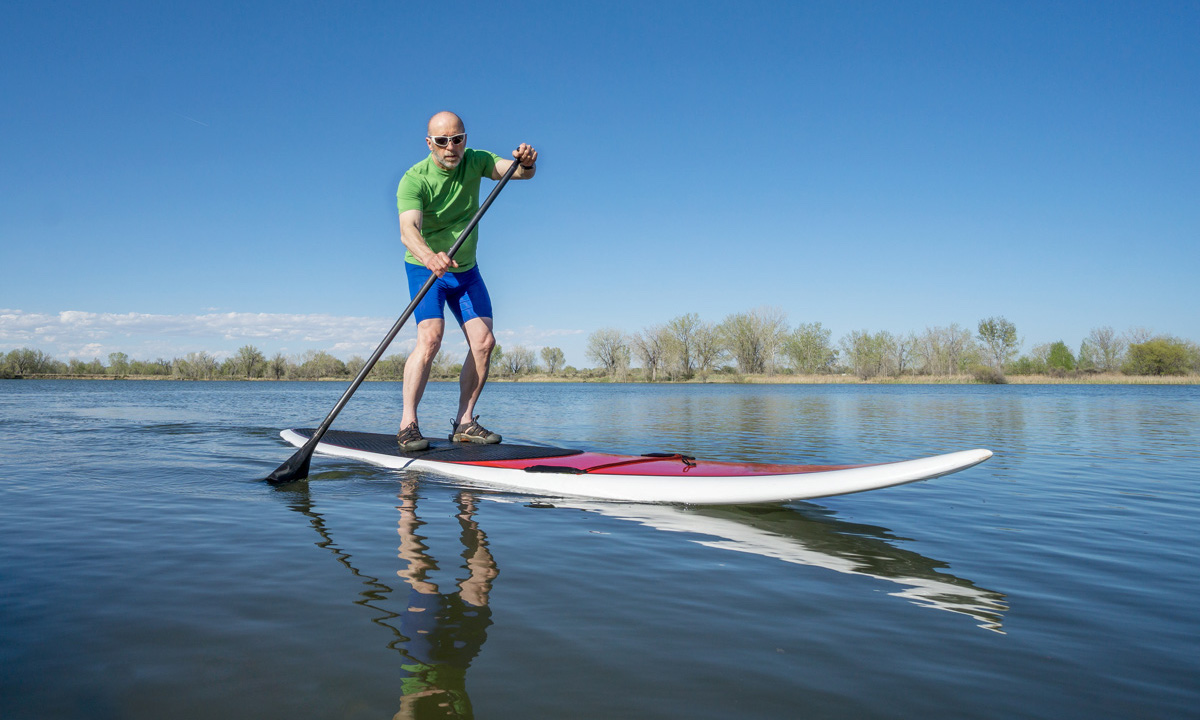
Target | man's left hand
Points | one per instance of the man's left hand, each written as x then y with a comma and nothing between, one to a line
525,154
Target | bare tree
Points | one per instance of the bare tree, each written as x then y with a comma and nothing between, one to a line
683,331
755,338
708,349
961,349
195,366
1138,335
278,366
905,347
519,361
1107,349
609,348
651,347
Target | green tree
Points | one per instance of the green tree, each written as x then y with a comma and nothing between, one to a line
228,368
118,364
1060,357
497,360
27,361
320,364
390,367
808,349
249,362
442,366
355,365
999,337
554,358
1158,356
147,368
870,354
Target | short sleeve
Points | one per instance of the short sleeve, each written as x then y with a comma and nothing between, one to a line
408,194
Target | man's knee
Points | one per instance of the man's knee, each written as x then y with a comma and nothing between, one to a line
429,338
481,342
485,344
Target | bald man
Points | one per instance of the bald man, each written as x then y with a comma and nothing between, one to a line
436,199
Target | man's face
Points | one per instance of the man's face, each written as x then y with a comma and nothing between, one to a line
451,155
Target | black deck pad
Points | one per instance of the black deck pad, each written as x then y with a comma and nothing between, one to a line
441,450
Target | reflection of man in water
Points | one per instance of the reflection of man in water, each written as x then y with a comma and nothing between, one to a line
445,632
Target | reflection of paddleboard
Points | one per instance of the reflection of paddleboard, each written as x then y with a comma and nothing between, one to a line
646,478
784,534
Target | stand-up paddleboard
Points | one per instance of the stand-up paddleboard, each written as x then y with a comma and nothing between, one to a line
658,477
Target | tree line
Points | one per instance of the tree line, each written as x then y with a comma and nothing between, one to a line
761,341
249,363
757,342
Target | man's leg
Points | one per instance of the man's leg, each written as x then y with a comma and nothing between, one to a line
480,342
416,368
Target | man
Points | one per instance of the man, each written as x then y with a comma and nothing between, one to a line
436,199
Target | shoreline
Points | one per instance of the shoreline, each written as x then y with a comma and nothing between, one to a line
721,379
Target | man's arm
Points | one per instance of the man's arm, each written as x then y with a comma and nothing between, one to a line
524,154
410,235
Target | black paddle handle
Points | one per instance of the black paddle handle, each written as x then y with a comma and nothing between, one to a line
296,468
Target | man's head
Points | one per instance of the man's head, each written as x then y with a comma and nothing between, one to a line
444,129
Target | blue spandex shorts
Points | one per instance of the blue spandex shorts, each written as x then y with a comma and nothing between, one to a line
463,291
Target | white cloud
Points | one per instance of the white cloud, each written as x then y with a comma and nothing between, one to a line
85,335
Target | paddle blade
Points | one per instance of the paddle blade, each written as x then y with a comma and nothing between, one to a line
294,470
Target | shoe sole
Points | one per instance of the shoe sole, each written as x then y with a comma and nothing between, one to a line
476,440
413,445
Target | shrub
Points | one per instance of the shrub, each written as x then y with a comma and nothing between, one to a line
988,375
1158,356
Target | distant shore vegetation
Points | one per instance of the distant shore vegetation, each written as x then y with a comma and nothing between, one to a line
758,346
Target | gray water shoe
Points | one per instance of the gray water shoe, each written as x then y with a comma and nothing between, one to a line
473,432
410,439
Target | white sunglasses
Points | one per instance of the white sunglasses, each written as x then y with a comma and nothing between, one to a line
444,140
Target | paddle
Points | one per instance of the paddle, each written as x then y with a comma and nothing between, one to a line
296,467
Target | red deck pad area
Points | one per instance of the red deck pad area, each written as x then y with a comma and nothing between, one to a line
665,467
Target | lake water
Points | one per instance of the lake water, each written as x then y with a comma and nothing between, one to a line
146,571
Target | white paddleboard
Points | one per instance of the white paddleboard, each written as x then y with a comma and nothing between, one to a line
561,472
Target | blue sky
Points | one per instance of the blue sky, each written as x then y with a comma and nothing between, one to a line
198,176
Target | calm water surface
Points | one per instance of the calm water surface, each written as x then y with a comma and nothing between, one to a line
147,573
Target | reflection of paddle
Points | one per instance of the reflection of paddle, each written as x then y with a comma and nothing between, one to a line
296,467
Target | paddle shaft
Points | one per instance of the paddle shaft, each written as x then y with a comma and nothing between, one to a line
296,467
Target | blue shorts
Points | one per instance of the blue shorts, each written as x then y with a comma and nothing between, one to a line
464,291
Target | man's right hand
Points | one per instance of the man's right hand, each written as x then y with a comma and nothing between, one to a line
438,264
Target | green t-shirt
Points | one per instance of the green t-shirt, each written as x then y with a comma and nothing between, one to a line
447,200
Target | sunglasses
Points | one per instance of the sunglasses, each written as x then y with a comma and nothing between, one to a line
444,140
